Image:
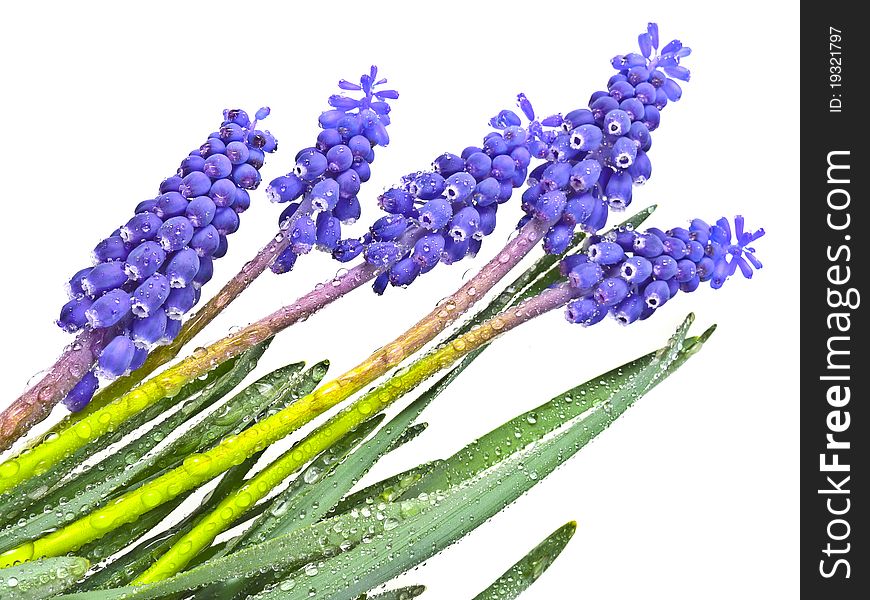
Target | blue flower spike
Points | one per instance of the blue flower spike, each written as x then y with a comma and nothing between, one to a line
627,275
443,215
322,188
149,271
604,148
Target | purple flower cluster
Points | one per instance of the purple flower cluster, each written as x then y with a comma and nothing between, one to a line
443,215
599,153
148,273
630,275
322,188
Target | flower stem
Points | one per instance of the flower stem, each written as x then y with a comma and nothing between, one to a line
199,468
236,504
36,403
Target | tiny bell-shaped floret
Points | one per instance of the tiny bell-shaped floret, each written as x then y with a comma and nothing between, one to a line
404,272
397,201
348,210
389,227
116,357
111,248
459,187
108,309
382,253
435,214
325,194
150,295
464,224
328,231
147,331
447,164
180,301
104,277
182,268
629,310
82,392
226,221
175,233
586,138
285,188
611,291
205,241
144,260
585,312
223,192
605,253
303,235
428,250
140,228
72,314
285,262
195,184
200,211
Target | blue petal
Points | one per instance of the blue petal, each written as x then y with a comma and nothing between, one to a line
645,43
526,107
653,31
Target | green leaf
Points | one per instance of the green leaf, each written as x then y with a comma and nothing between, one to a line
301,504
30,491
403,593
298,548
124,569
41,578
282,385
524,573
386,490
458,509
96,486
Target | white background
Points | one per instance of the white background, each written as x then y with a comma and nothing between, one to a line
694,492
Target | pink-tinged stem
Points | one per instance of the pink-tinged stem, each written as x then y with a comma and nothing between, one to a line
36,403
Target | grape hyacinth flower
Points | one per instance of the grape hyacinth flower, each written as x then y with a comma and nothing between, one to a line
593,157
597,154
443,215
322,188
148,273
629,275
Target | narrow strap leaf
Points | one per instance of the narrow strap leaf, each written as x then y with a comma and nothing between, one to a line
386,490
528,569
41,578
403,593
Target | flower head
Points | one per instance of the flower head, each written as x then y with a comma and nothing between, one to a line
630,275
596,155
322,188
149,271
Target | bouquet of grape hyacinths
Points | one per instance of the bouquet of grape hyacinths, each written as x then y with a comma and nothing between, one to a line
98,530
